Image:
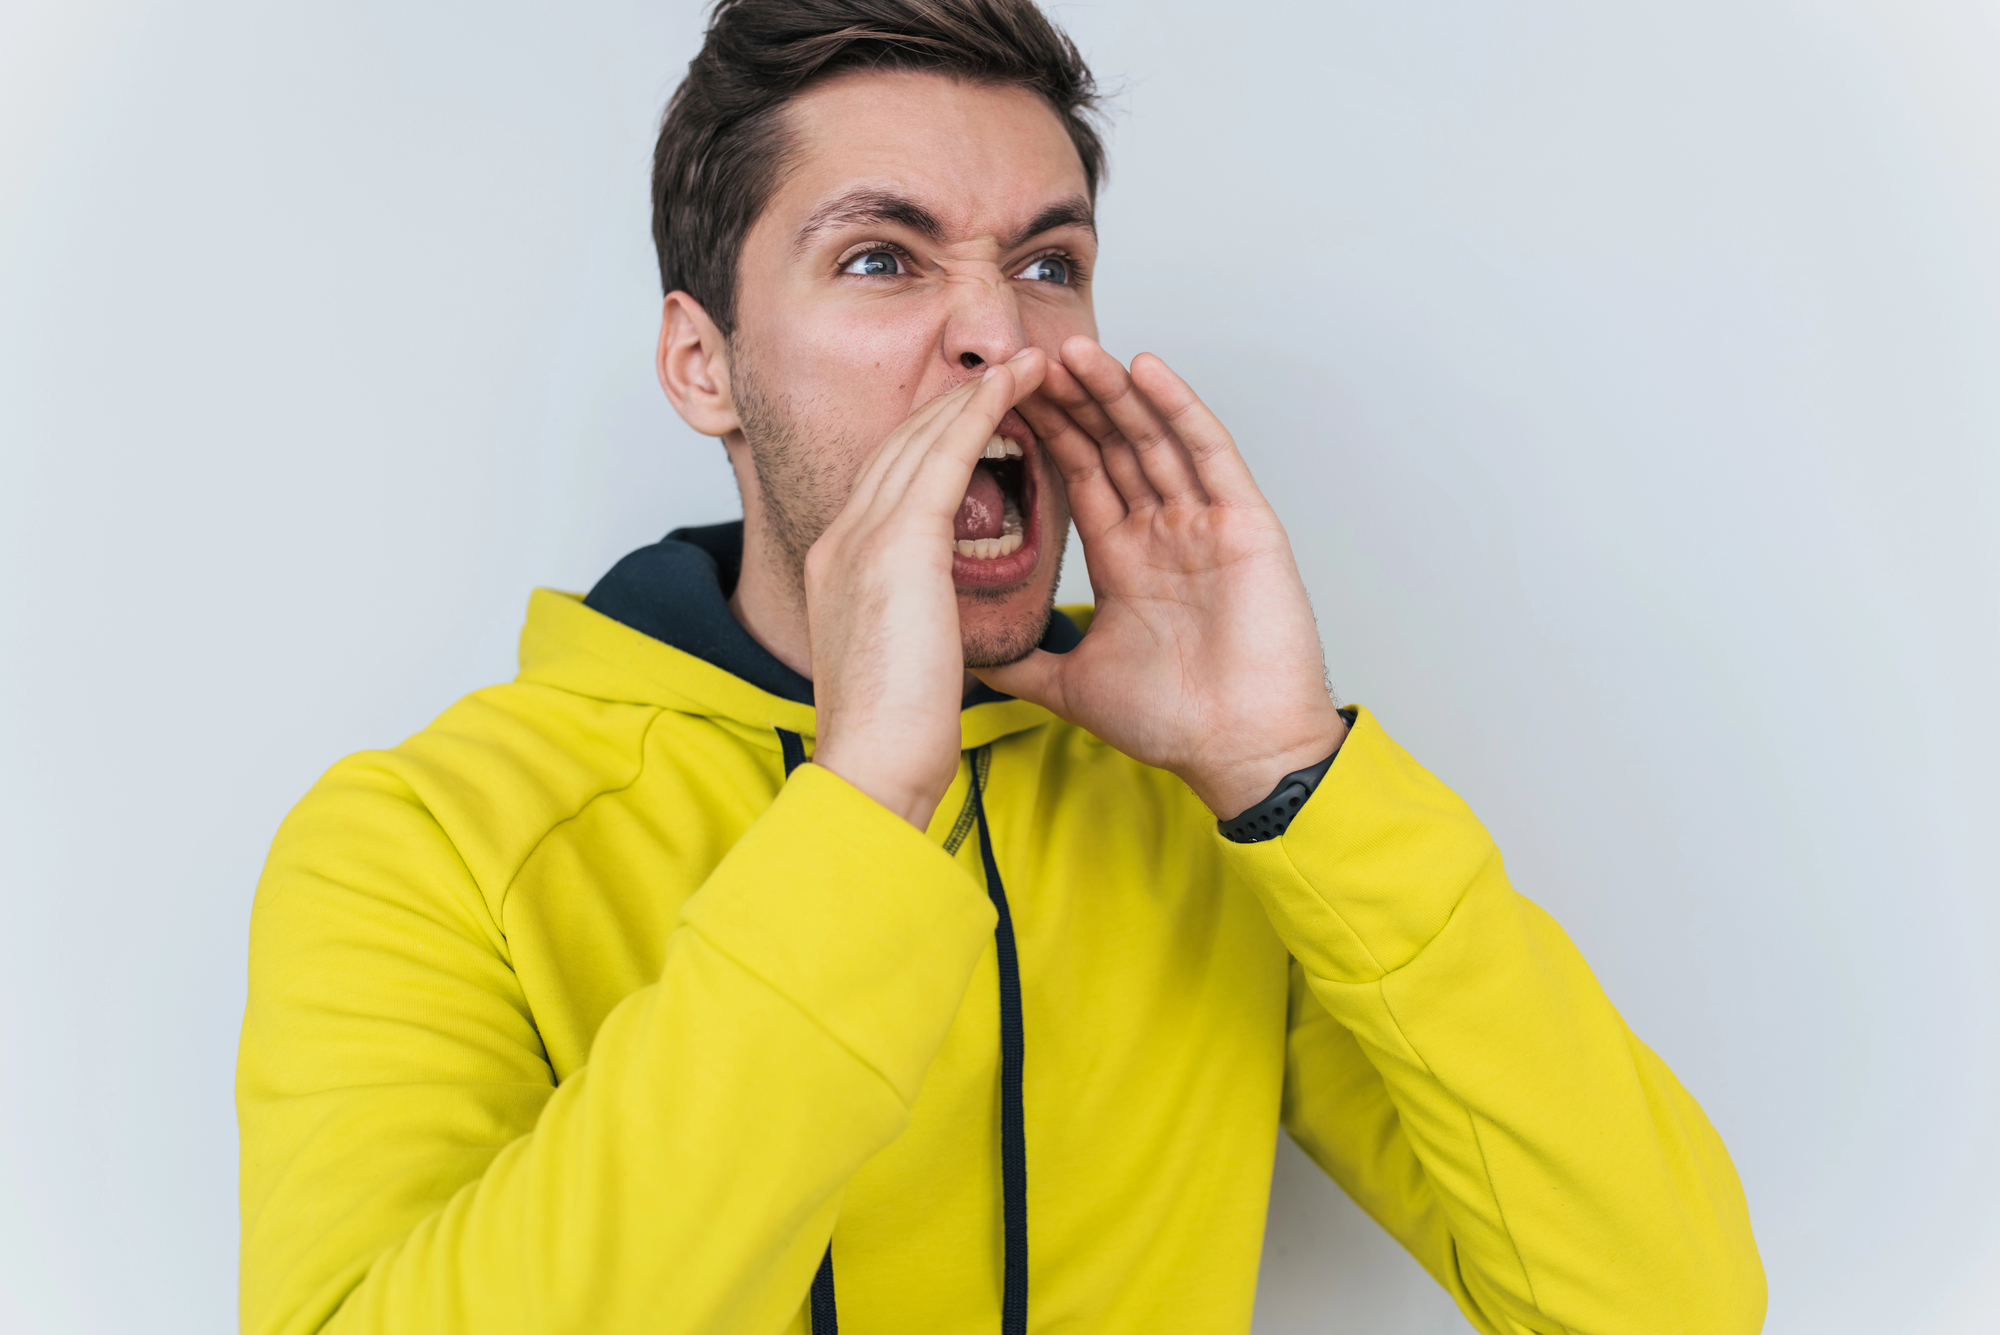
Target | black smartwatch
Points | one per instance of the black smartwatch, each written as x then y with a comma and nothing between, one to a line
1272,816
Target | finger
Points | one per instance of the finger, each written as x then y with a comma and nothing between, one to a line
900,471
889,466
1121,464
1036,679
1094,502
1160,454
1030,367
1220,465
944,471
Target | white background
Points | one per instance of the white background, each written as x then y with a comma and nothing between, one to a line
1628,376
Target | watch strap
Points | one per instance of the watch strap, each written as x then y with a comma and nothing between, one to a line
1273,816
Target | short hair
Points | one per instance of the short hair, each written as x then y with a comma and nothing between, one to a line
723,139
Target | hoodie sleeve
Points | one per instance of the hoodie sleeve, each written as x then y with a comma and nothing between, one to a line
409,1163
1454,1066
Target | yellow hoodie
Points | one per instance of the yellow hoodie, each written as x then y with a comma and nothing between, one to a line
572,1013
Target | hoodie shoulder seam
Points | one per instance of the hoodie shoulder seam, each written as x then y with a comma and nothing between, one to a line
638,771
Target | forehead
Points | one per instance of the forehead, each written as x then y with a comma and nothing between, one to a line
980,157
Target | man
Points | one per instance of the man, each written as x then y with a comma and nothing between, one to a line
820,931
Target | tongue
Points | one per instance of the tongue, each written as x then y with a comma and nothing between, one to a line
979,512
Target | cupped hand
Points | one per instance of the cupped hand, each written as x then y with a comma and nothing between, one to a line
1202,657
888,664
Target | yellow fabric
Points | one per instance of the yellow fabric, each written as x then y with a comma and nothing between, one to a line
571,1013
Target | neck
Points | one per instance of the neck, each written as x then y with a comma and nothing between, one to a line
769,598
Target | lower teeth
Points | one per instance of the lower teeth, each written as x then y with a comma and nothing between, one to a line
986,549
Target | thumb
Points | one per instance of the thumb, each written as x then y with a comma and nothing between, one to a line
1036,679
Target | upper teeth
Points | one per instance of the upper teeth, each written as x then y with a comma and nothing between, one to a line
1001,448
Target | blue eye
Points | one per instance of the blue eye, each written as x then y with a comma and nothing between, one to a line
1047,269
875,264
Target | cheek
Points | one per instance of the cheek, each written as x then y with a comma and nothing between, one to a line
1048,323
1053,502
866,374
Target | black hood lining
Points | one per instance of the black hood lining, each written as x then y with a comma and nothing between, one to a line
677,591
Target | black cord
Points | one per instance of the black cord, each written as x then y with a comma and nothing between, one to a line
1013,1053
1013,1115
825,1315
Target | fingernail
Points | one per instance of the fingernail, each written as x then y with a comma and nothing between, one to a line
987,374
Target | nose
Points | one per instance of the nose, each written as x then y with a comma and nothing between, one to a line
983,327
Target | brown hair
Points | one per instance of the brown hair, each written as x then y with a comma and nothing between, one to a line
723,139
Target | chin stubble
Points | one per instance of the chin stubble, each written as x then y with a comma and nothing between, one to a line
985,651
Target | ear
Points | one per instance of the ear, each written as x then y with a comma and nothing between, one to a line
693,363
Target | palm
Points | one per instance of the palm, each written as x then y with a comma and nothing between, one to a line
1202,657
1186,610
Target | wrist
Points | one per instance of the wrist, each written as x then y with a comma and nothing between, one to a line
888,786
1232,788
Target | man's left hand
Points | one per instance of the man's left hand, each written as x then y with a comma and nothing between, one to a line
1202,657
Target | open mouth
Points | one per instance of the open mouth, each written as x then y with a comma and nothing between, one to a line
990,519
994,533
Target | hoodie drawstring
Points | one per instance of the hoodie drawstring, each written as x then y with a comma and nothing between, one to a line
1013,1052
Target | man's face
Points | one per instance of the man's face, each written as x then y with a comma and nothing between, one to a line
926,228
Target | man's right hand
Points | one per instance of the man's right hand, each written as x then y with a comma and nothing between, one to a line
888,663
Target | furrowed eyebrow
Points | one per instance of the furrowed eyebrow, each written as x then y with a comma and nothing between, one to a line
1072,212
868,206
880,206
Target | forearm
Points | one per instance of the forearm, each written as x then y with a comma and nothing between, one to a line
685,1181
407,1167
1580,1187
